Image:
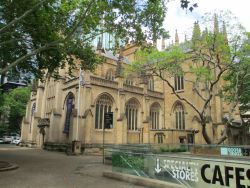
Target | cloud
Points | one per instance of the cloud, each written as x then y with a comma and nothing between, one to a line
183,20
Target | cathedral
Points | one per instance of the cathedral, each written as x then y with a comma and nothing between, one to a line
144,111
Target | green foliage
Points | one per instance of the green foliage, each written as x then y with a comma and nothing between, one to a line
237,88
3,129
149,59
202,62
56,31
174,150
201,74
13,107
185,4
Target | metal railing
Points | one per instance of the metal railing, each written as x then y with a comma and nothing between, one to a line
181,169
225,151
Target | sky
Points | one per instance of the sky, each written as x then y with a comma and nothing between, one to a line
183,20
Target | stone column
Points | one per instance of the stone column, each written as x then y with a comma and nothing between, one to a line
88,125
87,109
146,117
121,124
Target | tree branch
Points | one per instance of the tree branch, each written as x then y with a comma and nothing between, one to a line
49,45
198,93
22,16
211,90
23,58
177,95
9,41
82,17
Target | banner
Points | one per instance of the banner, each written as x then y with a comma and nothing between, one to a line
199,172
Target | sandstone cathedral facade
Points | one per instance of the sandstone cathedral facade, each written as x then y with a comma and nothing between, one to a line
145,111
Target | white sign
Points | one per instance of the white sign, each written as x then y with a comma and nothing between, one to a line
201,172
231,151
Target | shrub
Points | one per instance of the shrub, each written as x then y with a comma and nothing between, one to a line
162,149
181,149
124,161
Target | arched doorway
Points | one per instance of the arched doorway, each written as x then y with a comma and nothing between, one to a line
42,124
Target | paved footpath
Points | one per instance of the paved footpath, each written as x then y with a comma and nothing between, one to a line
44,169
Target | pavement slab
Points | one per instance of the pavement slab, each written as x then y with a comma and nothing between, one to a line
44,169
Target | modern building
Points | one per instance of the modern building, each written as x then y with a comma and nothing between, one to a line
7,83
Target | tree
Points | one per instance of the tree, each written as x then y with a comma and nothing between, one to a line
237,89
39,35
14,107
43,35
202,62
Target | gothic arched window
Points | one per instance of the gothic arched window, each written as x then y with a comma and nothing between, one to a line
178,83
69,107
129,82
103,105
151,84
110,75
155,116
33,109
132,108
179,117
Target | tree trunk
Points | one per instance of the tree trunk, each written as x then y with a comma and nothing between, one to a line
225,133
224,136
204,133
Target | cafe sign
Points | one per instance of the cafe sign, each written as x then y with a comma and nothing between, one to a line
199,172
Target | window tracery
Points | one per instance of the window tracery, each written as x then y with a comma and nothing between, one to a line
178,83
179,117
132,108
103,105
155,116
110,75
69,108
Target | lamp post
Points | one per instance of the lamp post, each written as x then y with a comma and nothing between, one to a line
77,143
108,124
